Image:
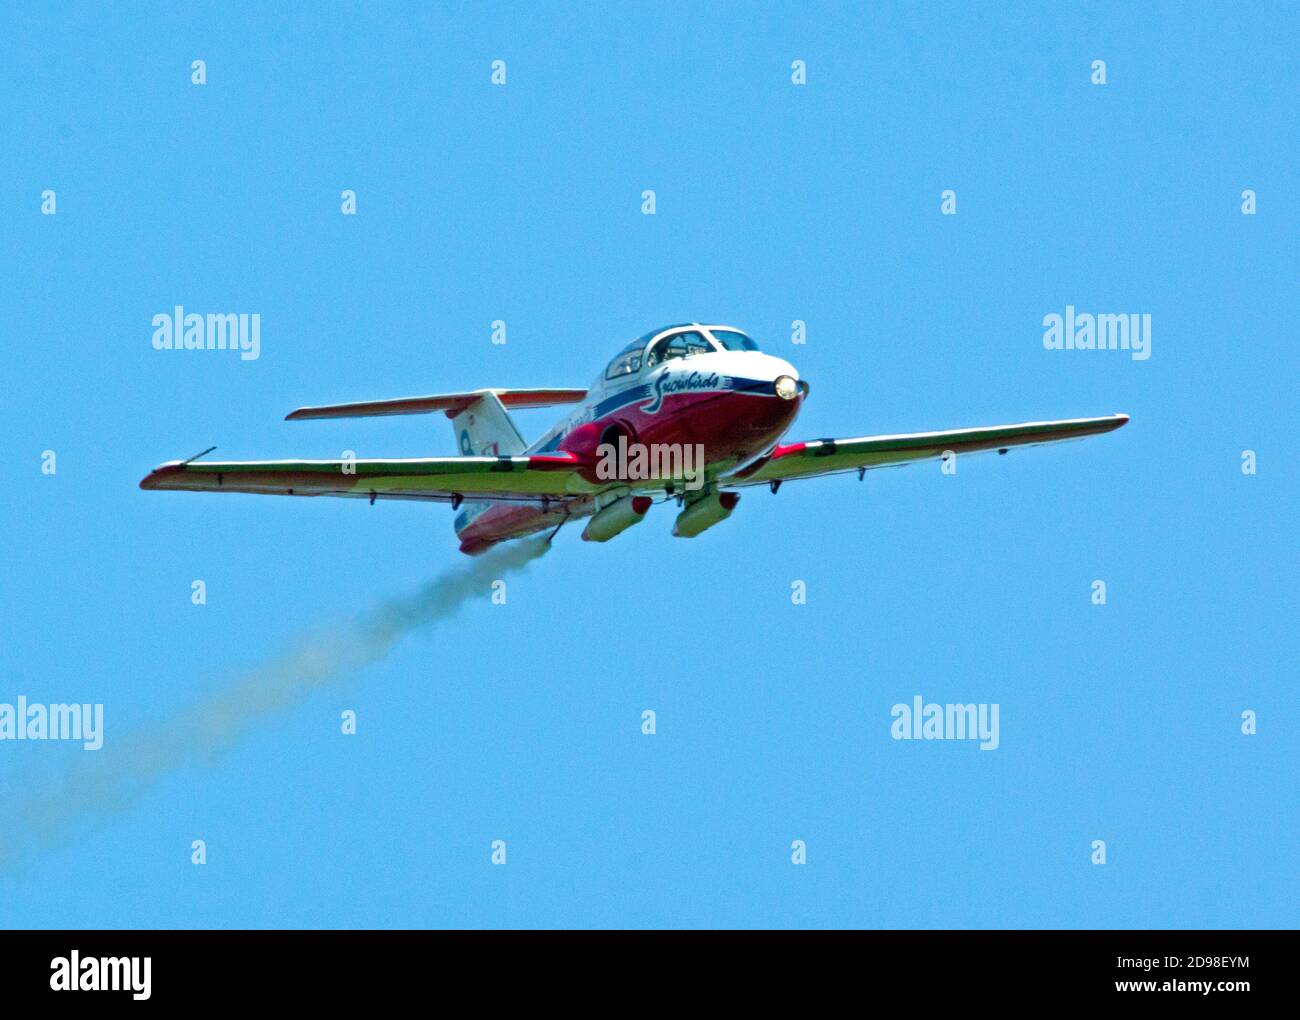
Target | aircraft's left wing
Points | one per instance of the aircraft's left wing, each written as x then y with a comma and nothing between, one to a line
829,456
535,479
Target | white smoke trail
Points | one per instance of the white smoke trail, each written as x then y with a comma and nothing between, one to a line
113,778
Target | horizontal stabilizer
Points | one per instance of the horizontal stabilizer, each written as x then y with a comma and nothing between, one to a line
451,403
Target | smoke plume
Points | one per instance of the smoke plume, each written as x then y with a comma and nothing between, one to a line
115,776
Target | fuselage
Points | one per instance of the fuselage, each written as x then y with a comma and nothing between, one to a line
706,388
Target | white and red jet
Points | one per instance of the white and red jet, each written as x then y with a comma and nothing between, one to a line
696,386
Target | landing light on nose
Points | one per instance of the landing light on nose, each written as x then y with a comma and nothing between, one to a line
786,387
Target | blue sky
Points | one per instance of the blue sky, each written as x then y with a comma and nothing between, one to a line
775,202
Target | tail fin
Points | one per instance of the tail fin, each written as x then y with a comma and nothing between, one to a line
484,429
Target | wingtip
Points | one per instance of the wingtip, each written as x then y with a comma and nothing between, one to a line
1121,419
155,479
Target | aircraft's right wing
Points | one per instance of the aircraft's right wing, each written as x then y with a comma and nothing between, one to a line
531,479
829,456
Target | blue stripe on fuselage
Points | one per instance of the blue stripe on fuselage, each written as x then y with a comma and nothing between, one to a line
645,392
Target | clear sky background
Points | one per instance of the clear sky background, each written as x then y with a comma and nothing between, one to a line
775,203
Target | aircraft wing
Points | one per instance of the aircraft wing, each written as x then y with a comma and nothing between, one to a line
829,456
536,479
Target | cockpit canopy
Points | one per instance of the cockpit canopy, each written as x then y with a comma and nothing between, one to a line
682,341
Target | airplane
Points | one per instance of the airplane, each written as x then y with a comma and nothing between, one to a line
682,387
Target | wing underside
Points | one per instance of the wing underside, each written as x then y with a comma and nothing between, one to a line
831,456
537,479
546,479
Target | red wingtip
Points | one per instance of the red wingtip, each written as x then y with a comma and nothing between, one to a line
155,479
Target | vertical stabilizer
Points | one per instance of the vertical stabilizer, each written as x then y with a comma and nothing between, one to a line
484,429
